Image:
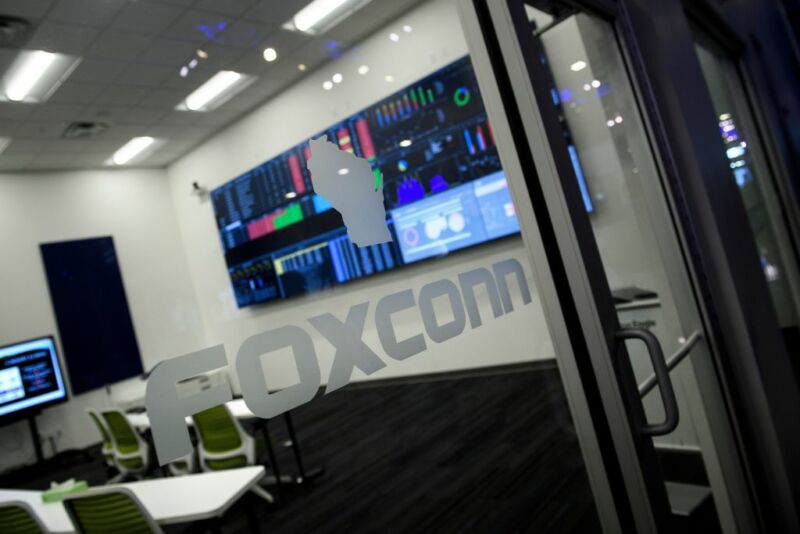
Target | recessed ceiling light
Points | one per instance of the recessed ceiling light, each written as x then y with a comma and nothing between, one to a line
202,54
405,143
270,54
363,69
216,91
4,142
327,85
618,119
193,63
184,71
321,15
389,78
337,78
577,66
394,37
133,148
407,28
610,123
587,87
596,83
343,171
35,75
291,194
301,67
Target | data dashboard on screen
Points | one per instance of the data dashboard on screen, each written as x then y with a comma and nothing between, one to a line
30,377
444,190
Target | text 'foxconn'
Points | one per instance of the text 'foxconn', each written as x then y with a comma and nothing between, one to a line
167,411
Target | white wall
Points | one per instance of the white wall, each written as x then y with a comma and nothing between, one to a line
290,118
134,207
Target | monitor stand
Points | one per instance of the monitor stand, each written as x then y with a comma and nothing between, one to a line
37,441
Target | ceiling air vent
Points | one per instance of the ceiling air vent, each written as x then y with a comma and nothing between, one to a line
13,31
82,130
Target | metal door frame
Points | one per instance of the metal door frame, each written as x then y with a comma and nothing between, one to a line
580,273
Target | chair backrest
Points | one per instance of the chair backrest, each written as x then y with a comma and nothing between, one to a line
122,433
217,429
101,427
109,510
17,517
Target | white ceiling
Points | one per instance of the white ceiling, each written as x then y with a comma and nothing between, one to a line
129,77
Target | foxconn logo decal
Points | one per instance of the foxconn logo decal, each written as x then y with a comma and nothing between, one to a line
167,410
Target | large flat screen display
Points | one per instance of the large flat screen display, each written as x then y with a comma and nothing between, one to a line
444,190
30,378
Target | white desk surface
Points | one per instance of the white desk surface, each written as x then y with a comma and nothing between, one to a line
169,500
237,407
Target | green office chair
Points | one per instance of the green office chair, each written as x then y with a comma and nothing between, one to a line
17,517
131,452
105,510
108,445
224,444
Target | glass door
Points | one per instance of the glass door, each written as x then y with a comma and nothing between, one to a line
567,79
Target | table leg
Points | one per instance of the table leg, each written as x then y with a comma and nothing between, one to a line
264,424
298,455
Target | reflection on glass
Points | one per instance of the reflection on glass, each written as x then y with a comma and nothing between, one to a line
755,182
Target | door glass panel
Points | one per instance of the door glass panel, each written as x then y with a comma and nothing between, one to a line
756,184
624,200
330,216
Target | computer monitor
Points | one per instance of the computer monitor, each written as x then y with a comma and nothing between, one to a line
30,378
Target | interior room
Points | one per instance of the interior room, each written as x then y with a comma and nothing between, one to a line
179,187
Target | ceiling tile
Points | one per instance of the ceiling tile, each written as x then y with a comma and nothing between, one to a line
15,111
122,132
97,71
198,26
146,17
119,45
15,163
27,9
142,116
179,118
103,112
165,99
24,146
56,112
8,127
183,3
278,12
86,12
231,8
64,38
123,95
41,130
169,52
244,34
71,92
68,146
145,75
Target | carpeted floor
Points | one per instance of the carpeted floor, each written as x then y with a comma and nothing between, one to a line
492,453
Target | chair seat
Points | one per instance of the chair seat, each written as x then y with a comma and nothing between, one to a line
227,463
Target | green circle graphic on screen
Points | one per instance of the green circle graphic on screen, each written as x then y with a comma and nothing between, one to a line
461,97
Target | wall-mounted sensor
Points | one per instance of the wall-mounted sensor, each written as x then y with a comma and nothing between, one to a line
199,190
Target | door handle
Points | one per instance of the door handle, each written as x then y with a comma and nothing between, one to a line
670,422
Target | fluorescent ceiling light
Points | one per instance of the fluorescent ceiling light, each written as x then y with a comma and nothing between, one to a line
4,142
321,15
134,148
578,66
216,91
35,75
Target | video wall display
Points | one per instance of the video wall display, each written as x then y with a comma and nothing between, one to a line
444,190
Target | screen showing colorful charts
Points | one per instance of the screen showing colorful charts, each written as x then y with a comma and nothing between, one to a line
444,190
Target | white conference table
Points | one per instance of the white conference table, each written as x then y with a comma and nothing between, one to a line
168,500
